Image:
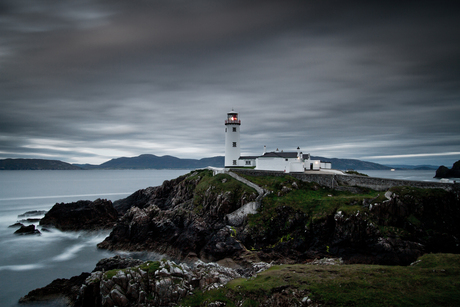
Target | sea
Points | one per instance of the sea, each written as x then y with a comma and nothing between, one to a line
28,262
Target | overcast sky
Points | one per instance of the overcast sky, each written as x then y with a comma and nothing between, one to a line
90,80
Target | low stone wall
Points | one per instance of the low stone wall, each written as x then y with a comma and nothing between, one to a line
335,180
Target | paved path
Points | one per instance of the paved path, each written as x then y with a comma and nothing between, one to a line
247,182
236,218
388,194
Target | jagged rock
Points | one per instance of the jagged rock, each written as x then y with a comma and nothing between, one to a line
175,220
63,290
16,225
27,230
81,215
33,213
444,172
222,244
30,220
162,283
185,218
116,262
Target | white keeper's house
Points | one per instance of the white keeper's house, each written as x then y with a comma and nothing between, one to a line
270,161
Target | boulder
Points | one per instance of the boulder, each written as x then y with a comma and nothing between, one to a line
27,230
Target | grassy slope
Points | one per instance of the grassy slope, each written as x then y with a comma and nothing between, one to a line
314,201
433,281
219,184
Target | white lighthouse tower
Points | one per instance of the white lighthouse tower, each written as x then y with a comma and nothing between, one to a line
232,139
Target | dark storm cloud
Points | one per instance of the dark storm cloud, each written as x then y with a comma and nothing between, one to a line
90,80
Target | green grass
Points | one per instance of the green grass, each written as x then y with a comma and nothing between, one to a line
315,202
356,173
433,281
220,183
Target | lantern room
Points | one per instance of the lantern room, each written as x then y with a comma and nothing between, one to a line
232,118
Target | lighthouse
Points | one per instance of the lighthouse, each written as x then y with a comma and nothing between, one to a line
232,139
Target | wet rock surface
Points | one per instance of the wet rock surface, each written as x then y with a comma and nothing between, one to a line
33,213
81,215
64,291
27,230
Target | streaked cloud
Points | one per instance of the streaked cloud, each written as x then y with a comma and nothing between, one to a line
92,80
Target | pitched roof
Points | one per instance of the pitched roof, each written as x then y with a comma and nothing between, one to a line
248,157
279,154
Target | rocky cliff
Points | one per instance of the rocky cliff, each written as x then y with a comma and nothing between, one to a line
182,218
185,218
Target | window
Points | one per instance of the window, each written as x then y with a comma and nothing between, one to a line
248,162
234,144
286,159
234,129
234,162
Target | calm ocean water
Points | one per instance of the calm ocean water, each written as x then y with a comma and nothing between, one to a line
403,174
30,262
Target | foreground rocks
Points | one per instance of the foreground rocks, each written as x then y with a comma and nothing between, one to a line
81,215
151,283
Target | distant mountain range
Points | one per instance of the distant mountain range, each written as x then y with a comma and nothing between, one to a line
169,162
156,162
35,164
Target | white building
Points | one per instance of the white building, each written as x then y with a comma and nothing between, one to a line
232,139
271,161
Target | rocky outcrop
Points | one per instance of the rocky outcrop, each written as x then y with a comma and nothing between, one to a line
162,283
393,232
444,172
150,283
171,192
27,230
188,217
81,215
32,213
116,263
62,290
183,217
